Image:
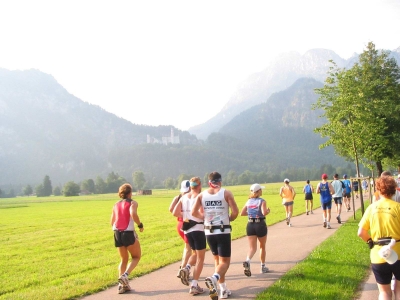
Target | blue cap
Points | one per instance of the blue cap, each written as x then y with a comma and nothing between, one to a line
345,176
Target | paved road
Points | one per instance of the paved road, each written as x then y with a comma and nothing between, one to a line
286,246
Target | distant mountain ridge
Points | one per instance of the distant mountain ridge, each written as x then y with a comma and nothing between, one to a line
279,75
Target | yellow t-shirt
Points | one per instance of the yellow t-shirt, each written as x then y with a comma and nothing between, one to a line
382,219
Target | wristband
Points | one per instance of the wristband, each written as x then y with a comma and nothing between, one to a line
140,226
370,243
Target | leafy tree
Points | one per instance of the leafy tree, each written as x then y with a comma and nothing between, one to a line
231,178
88,185
100,186
114,181
138,179
28,190
39,190
362,108
1,192
57,191
169,183
47,188
71,189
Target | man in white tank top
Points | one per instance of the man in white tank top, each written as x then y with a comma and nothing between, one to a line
213,205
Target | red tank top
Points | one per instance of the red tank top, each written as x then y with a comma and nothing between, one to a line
122,214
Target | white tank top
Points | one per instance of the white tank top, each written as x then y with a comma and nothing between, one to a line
216,211
187,204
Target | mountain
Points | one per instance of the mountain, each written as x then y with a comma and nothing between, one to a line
279,75
46,130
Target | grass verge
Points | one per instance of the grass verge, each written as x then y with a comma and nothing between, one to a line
333,271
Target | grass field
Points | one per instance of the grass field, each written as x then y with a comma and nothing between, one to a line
62,248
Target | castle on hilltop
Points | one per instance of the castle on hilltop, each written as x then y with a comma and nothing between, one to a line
165,140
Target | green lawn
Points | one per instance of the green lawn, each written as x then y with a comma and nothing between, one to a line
62,248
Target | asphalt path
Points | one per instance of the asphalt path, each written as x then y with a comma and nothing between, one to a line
286,246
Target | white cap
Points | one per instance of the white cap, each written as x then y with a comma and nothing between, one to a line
286,180
398,176
388,254
185,186
255,187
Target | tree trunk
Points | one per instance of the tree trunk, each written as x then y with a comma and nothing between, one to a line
379,167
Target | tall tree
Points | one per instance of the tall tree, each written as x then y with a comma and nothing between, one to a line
47,188
28,190
362,108
138,179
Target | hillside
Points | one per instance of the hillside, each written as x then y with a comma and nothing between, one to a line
281,73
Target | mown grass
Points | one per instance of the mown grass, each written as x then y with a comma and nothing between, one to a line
62,248
333,271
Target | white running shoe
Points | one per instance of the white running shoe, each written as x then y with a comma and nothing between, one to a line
184,274
211,283
195,290
225,294
123,279
264,269
246,266
328,226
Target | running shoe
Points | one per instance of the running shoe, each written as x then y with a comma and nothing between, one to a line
121,289
264,269
328,226
339,220
211,283
290,224
123,279
195,290
312,212
324,224
179,273
287,221
246,266
225,294
184,276
307,213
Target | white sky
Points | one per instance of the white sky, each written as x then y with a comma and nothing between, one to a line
169,62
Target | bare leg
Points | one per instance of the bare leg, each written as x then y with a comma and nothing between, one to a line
199,263
223,266
385,292
252,239
262,241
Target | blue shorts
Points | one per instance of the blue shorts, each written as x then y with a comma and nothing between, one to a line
326,206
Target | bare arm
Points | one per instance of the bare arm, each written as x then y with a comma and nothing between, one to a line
264,209
244,211
173,203
177,211
197,209
293,192
318,190
134,215
232,204
363,234
112,217
331,189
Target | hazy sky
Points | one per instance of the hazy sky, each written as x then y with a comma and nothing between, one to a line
174,62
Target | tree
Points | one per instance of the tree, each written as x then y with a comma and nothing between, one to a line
47,188
100,186
28,190
138,179
88,185
71,189
169,183
114,181
39,190
57,191
362,108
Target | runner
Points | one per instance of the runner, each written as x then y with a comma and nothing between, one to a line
123,217
188,259
337,196
308,191
256,209
194,231
287,194
346,196
214,204
325,189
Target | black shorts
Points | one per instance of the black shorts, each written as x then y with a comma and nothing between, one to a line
338,200
220,244
124,238
384,272
308,196
259,229
197,240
